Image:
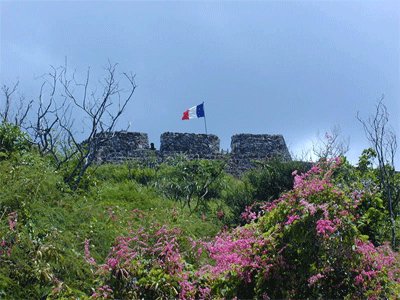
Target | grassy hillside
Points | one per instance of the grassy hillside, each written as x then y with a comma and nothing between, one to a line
45,225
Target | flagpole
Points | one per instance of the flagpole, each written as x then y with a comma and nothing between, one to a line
205,123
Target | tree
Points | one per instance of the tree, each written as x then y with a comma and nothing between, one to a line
383,141
63,96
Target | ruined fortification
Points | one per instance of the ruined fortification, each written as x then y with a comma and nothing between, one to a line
245,148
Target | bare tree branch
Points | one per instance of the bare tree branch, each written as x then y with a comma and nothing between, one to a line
383,140
332,145
22,108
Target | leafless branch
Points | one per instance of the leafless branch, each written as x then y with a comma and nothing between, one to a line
383,140
22,108
332,145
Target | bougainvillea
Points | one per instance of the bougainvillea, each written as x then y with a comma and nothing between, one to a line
149,263
306,245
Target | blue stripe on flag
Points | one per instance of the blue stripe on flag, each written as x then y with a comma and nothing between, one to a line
200,110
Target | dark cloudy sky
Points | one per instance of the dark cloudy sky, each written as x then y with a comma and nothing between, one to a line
294,68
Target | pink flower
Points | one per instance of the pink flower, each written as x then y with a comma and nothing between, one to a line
250,216
12,225
88,258
291,219
13,218
323,226
314,279
359,279
337,160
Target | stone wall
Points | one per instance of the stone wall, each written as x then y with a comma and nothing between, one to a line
259,145
189,143
246,148
120,144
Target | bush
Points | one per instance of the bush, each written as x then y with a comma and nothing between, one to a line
146,264
258,186
192,183
311,243
238,197
305,246
374,216
275,178
12,140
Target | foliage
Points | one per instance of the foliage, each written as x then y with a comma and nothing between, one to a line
36,263
239,196
12,140
275,178
373,220
192,183
38,252
265,184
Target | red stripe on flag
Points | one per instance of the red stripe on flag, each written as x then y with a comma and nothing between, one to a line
185,115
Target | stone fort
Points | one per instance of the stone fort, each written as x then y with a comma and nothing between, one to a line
121,146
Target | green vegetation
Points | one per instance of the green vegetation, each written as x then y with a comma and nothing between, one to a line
12,140
186,229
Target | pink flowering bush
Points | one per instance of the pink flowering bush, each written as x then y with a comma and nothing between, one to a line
150,263
306,245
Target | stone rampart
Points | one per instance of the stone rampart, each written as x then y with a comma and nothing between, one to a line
246,148
260,145
189,143
120,144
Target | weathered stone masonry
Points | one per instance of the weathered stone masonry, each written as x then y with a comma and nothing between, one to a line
245,148
189,143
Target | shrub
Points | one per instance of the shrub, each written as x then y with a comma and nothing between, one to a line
374,216
258,186
150,263
12,140
192,183
306,245
274,178
238,197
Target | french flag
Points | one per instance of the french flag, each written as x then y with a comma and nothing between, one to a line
194,112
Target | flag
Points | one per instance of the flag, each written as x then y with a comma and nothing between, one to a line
194,112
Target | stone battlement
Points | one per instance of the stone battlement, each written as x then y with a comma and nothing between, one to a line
189,143
245,148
